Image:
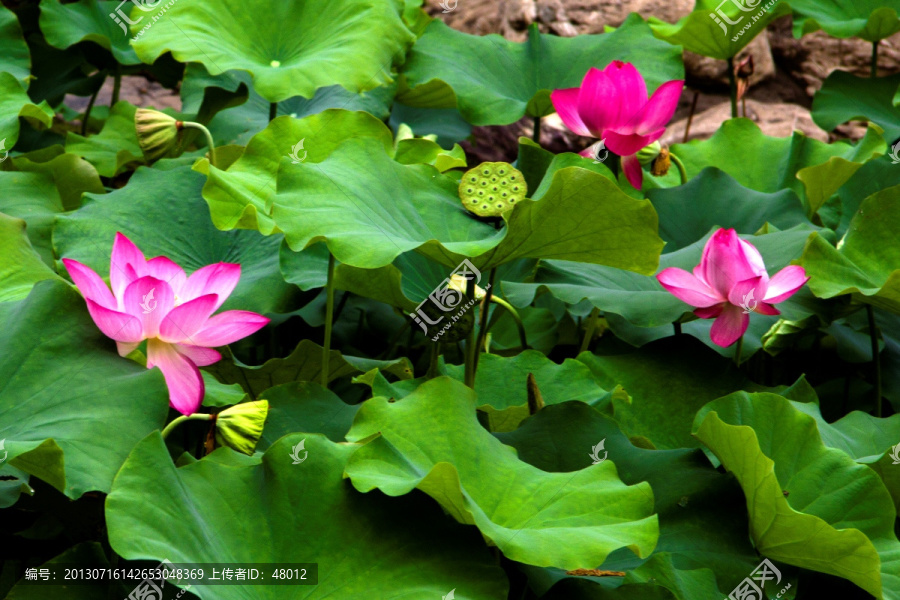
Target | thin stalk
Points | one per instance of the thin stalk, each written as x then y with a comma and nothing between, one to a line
874,72
515,316
732,85
209,139
485,309
687,127
591,326
178,421
433,361
536,136
876,360
737,351
273,111
471,347
329,315
677,327
117,85
87,113
680,165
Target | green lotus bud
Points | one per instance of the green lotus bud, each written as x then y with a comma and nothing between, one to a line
157,133
459,284
492,188
648,154
240,426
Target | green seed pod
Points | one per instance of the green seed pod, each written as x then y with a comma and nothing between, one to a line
458,329
240,426
157,133
648,154
492,188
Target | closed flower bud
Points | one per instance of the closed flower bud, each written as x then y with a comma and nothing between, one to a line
158,134
240,426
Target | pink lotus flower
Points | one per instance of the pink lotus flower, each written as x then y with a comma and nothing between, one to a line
153,300
612,105
729,283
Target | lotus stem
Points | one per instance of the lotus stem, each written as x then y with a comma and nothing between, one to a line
589,332
485,309
738,350
329,315
178,421
876,359
677,327
874,72
90,107
680,165
536,136
471,346
273,111
433,361
117,85
209,139
515,316
732,84
687,127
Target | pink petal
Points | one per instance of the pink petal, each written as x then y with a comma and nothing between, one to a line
784,283
659,110
114,324
710,312
754,258
631,90
749,293
725,262
149,299
764,308
228,327
729,326
165,269
566,103
633,172
599,102
629,143
183,379
126,348
183,321
218,278
89,283
688,288
125,254
198,355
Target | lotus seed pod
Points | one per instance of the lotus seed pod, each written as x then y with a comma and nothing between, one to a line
157,133
240,426
492,188
447,329
648,154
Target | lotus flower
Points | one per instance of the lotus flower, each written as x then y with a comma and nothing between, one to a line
729,283
612,105
153,300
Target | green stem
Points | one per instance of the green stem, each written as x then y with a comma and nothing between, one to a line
90,107
329,315
433,361
591,326
178,421
536,136
209,139
874,72
876,359
273,111
680,165
738,350
117,85
485,306
515,316
732,85
471,346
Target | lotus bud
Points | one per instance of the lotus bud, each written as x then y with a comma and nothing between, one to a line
458,283
240,426
157,133
648,154
492,188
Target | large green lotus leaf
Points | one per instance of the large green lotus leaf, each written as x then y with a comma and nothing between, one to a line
764,163
144,212
22,266
638,298
809,505
845,97
501,384
686,375
269,509
720,29
115,148
241,196
86,555
74,424
305,406
497,82
303,364
431,440
15,103
65,25
71,175
700,525
867,259
871,20
876,175
290,48
14,56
